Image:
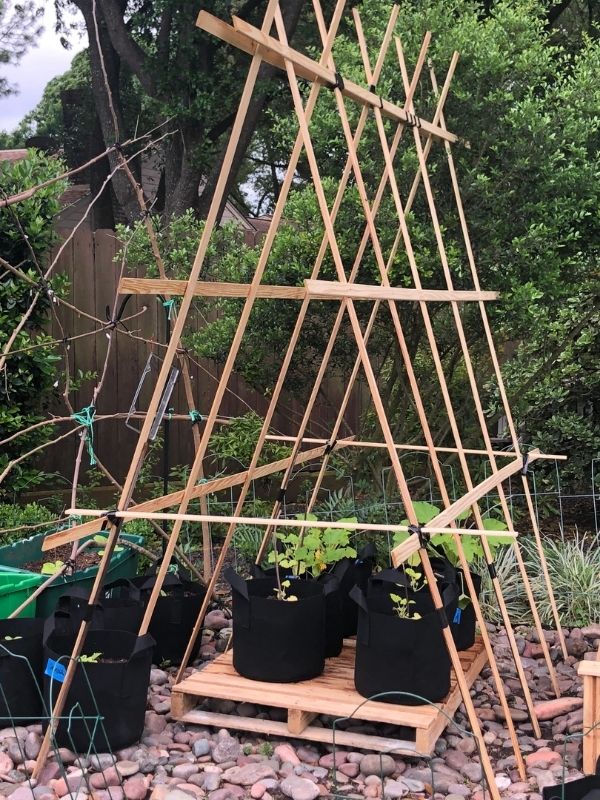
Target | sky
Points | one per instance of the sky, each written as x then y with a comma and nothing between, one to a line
38,66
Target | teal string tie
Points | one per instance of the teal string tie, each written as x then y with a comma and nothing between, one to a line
86,417
170,414
170,305
196,416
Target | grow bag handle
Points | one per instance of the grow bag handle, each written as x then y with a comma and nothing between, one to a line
125,583
363,633
236,582
171,581
181,572
64,614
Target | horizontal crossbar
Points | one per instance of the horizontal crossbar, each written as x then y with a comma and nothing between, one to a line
250,39
283,522
175,288
334,290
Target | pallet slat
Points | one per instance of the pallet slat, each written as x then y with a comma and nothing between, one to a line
332,694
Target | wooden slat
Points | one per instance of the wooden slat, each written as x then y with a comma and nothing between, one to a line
251,40
334,290
176,288
267,727
216,485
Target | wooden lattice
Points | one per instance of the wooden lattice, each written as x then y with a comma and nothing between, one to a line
269,44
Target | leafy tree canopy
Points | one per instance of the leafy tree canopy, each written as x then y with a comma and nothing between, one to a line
20,26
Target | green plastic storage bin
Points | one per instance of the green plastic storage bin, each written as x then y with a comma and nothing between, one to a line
123,564
15,587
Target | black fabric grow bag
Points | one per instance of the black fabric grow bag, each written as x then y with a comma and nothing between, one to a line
276,640
117,688
21,671
334,623
175,613
353,572
575,790
121,607
401,655
463,620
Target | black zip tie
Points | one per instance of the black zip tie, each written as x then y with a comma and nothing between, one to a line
88,614
492,570
423,536
281,495
339,83
525,466
441,612
70,565
330,446
118,147
111,516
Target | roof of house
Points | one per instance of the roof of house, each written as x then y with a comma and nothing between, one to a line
13,155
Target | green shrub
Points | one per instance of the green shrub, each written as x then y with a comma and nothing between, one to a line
17,521
26,387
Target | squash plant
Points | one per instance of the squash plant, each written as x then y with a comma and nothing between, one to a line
312,550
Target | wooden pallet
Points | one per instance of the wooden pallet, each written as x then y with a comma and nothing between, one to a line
332,693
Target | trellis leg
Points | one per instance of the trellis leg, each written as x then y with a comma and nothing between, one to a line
142,443
397,467
237,339
499,379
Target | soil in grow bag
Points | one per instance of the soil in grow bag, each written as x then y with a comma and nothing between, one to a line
175,614
395,654
115,688
20,671
277,640
587,788
334,621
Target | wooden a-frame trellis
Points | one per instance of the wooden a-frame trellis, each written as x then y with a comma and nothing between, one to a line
269,44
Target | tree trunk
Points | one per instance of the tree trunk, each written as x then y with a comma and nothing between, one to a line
108,101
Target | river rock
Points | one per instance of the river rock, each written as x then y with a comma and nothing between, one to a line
299,788
375,764
549,709
249,774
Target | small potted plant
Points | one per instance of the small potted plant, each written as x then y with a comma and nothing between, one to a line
463,620
314,554
400,645
111,681
278,627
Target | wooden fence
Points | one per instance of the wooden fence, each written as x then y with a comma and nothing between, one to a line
88,261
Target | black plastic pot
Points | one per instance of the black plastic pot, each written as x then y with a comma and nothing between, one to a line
115,688
175,614
334,622
278,641
20,671
401,655
353,572
582,789
463,620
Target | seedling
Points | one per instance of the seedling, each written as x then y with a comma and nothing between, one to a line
402,607
52,567
281,594
314,551
92,659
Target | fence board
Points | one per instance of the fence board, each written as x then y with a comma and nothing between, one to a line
88,261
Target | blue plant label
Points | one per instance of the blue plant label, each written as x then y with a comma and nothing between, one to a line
55,670
457,616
